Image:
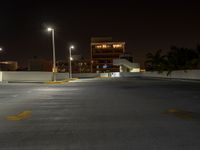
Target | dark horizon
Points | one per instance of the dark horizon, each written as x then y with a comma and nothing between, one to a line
144,26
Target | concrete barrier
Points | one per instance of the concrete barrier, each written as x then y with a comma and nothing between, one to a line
181,74
130,74
105,75
62,76
25,76
85,75
0,76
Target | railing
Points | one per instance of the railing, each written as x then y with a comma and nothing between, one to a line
126,63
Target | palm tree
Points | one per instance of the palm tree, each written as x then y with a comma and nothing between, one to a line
155,62
196,61
181,58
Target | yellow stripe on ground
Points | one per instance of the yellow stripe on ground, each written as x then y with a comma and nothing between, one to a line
61,82
56,82
21,116
181,114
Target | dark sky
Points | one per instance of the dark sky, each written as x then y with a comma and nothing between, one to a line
144,26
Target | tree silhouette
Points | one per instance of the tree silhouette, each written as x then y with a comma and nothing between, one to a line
176,59
155,62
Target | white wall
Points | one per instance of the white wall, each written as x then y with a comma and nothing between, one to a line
34,76
181,74
190,74
12,76
85,75
62,76
130,74
104,75
0,76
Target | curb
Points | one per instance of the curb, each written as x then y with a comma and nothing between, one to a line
60,82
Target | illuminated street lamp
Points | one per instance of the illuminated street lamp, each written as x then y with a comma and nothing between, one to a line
70,59
54,69
1,49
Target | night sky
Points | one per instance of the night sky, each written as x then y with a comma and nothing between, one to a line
145,26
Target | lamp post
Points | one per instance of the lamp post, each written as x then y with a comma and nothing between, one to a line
70,59
1,49
54,54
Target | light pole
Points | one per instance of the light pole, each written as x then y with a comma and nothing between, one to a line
54,54
70,59
1,49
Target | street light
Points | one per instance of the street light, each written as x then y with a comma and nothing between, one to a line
54,53
70,59
1,49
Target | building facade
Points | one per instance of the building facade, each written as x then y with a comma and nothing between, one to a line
103,51
8,66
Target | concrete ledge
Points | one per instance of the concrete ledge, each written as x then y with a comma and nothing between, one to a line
61,82
30,76
180,74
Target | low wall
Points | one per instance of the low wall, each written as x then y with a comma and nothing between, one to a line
130,74
85,75
0,76
12,76
23,76
181,74
62,76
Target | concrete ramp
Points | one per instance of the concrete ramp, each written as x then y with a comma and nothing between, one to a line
133,67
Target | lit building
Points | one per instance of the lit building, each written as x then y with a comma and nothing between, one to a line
8,66
103,51
78,65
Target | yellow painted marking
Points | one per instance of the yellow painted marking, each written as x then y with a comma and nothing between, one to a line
172,110
55,82
182,114
21,116
61,82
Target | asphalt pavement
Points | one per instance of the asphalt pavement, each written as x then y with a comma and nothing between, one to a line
101,114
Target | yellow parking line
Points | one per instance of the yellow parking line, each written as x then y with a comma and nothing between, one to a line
181,114
61,82
21,116
55,82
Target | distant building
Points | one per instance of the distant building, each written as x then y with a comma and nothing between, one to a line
79,65
103,51
8,66
39,65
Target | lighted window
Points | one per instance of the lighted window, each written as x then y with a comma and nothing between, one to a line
104,46
117,46
99,46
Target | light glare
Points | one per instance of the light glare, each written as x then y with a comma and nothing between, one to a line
49,29
72,47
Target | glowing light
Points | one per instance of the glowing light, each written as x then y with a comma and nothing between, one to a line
71,58
49,29
98,46
104,46
1,49
117,46
72,47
